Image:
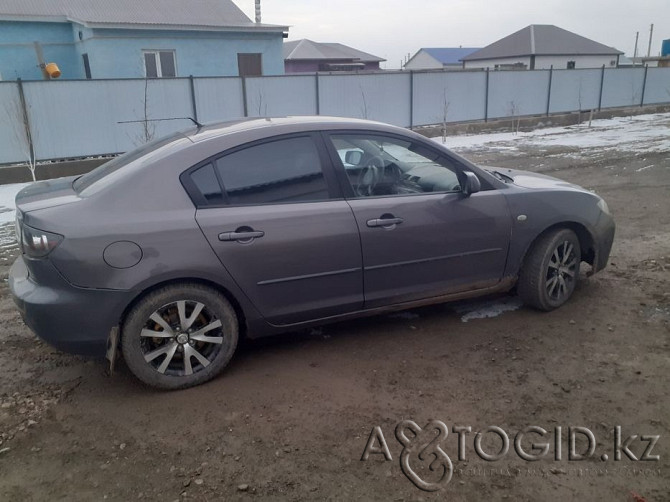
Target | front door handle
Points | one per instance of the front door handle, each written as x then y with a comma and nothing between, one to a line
241,236
384,222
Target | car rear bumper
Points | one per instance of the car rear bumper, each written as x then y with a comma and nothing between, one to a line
72,319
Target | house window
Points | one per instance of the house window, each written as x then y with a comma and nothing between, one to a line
571,65
87,66
250,65
159,64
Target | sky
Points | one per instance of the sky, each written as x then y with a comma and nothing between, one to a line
393,28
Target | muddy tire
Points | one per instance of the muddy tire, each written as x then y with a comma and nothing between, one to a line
179,336
550,271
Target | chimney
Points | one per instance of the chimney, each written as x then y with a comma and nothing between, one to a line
258,11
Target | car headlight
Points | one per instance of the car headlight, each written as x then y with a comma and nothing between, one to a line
603,206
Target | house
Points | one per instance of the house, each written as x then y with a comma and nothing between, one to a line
438,58
541,46
131,38
301,56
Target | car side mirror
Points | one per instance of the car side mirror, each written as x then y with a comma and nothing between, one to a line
353,157
471,183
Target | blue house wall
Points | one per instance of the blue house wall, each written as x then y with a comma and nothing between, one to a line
18,58
118,53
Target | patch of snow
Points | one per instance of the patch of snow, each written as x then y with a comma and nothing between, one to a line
642,133
488,308
7,196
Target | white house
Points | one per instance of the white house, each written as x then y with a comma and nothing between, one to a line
541,46
438,58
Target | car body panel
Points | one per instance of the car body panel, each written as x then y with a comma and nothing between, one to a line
445,244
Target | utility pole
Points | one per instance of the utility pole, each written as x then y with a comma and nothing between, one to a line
651,33
637,36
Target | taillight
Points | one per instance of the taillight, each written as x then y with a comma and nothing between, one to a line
38,243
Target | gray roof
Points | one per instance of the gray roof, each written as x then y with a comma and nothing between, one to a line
308,50
179,14
541,40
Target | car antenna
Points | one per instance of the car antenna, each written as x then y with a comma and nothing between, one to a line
161,120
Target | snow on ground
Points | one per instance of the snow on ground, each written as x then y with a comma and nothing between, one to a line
7,195
641,133
7,215
487,308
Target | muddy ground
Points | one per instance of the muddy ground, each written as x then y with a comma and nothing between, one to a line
291,416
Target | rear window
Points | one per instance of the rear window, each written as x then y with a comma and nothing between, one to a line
103,172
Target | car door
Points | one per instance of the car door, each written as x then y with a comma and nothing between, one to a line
271,212
421,236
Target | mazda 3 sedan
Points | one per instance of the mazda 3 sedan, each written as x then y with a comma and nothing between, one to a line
171,252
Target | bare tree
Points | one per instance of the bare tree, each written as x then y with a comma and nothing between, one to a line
514,111
23,137
262,105
445,112
364,108
148,127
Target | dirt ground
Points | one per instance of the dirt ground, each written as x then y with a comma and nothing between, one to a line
291,417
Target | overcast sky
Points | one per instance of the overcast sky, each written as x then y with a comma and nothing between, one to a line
393,28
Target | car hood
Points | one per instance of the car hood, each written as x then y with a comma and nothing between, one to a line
527,179
48,193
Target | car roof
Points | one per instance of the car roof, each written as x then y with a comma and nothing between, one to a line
281,125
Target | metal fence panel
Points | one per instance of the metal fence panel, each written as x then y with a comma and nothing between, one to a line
460,94
14,146
514,93
218,99
281,96
622,87
383,97
80,118
658,86
575,90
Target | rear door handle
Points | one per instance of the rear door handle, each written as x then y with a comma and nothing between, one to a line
384,222
245,236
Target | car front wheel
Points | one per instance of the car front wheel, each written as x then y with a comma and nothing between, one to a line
179,336
551,270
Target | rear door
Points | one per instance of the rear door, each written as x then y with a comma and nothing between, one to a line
420,235
281,228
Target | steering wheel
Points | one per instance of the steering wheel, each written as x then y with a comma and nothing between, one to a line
369,176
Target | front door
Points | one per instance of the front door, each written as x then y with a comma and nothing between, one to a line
421,236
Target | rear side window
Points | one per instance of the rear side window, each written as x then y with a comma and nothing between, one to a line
205,181
281,171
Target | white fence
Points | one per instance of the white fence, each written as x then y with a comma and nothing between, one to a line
78,118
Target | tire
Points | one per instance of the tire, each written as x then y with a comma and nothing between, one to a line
550,271
179,336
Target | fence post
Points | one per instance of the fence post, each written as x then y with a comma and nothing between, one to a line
551,76
644,84
602,81
26,122
318,93
486,97
244,96
411,99
194,106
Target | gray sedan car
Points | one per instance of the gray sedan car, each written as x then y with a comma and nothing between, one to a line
173,251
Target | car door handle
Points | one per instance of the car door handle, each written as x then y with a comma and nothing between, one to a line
244,236
384,222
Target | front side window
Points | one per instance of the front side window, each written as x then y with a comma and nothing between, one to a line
159,64
382,166
281,171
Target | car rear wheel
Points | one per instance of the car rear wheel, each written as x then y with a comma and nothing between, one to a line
179,336
551,270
